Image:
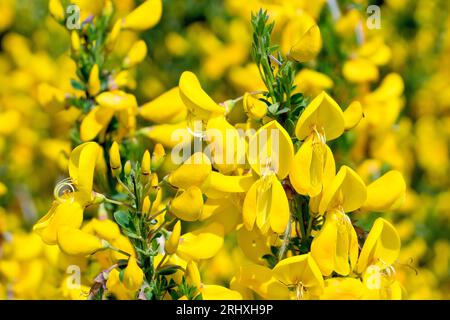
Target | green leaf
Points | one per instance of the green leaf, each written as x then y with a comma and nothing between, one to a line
77,85
168,270
122,218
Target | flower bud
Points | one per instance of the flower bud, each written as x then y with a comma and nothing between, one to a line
94,81
146,206
193,275
75,41
158,156
171,244
114,159
133,275
145,168
127,168
154,190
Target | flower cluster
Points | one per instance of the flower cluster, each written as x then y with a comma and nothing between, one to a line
265,150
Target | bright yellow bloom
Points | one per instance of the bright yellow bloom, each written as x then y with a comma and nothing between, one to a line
335,247
270,154
385,193
314,166
302,273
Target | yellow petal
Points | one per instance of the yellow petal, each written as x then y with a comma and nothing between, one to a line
76,242
169,135
95,121
144,17
224,144
270,150
196,99
346,190
201,244
69,213
382,246
188,205
116,100
301,38
136,55
215,292
253,243
230,184
360,70
255,108
299,269
342,289
261,280
106,229
324,114
323,247
312,168
195,171
353,114
385,192
81,166
167,108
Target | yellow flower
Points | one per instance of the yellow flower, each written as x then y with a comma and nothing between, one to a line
73,241
68,209
133,275
335,247
311,83
301,38
314,166
99,117
382,246
144,17
270,154
302,273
